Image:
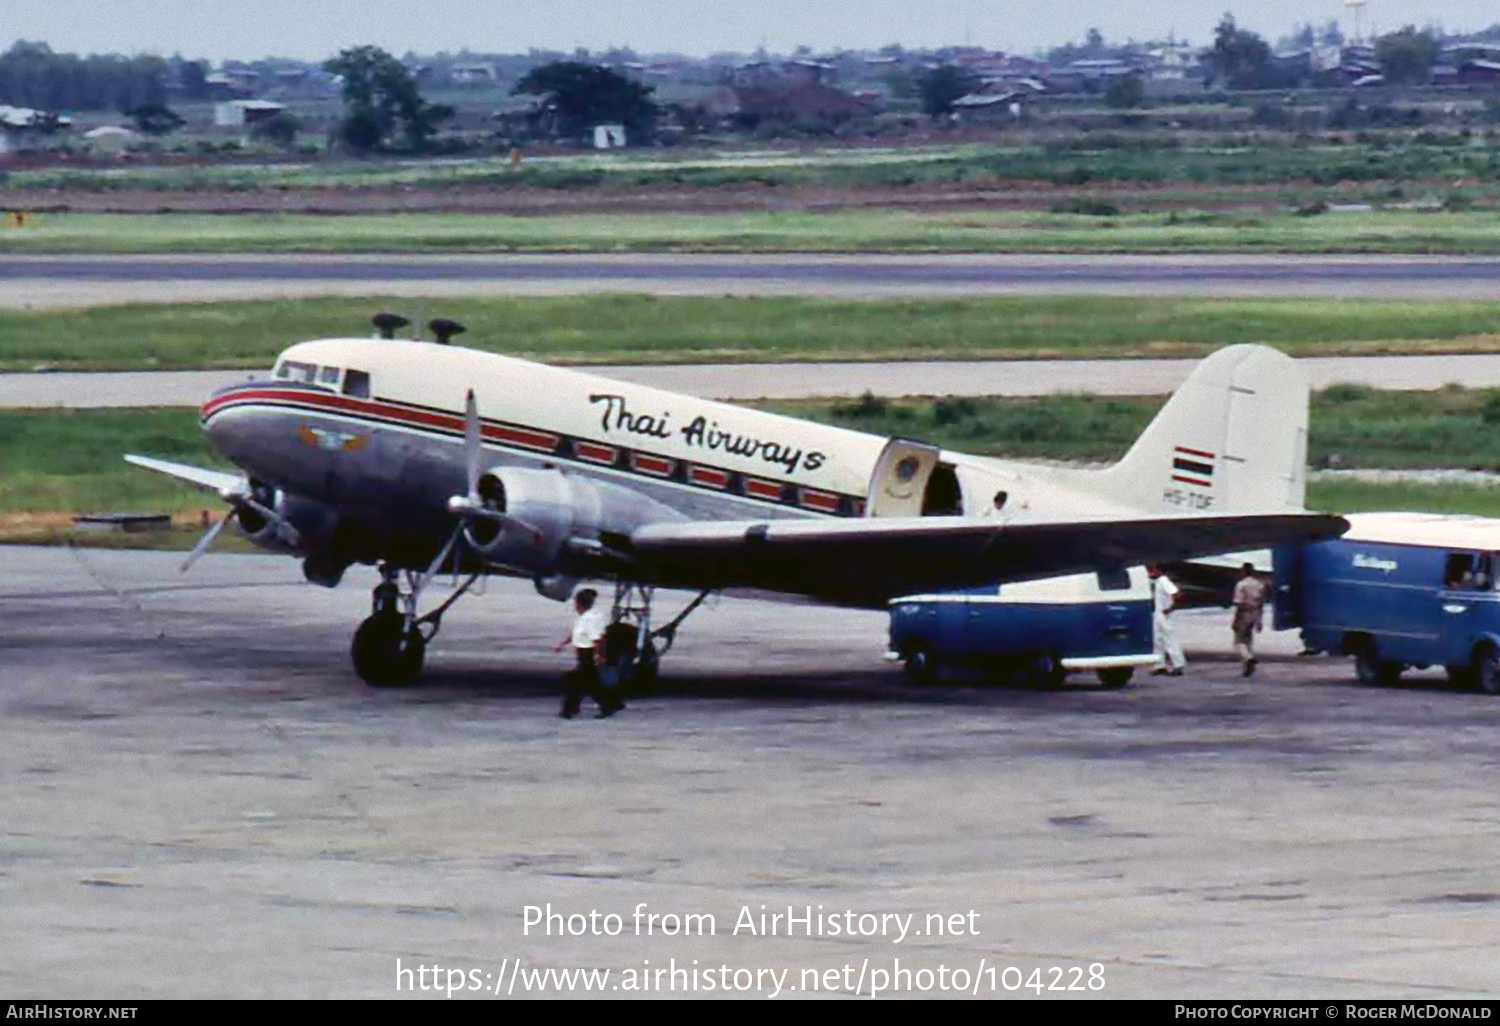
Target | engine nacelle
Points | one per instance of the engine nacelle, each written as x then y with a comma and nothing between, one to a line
300,525
545,508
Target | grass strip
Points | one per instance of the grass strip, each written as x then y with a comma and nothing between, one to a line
649,329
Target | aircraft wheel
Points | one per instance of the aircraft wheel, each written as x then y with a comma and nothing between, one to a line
921,667
1486,672
385,655
1116,676
647,667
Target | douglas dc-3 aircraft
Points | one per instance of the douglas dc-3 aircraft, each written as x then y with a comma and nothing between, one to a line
427,458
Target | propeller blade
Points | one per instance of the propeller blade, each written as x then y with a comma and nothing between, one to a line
287,532
204,542
471,445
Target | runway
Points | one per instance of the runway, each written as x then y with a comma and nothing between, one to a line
201,800
54,281
749,381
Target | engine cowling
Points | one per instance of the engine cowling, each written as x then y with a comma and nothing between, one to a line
299,525
544,508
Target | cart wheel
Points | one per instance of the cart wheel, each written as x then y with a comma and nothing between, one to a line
921,667
1116,676
1487,670
1046,672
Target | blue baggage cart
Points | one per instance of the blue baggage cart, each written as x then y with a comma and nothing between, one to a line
1037,630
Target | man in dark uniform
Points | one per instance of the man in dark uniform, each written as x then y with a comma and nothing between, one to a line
587,640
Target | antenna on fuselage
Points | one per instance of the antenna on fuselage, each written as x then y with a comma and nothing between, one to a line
387,324
443,330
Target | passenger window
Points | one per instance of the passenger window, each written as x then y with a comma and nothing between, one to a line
1467,572
328,376
1114,579
357,384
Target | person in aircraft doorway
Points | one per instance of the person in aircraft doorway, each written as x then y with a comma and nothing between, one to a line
587,640
1169,656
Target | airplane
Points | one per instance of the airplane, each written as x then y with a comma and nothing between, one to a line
426,458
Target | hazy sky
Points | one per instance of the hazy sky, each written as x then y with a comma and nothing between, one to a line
317,28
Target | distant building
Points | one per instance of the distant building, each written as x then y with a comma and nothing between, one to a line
989,107
807,72
242,113
1476,72
24,129
608,137
472,74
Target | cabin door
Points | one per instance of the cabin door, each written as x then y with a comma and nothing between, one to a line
899,482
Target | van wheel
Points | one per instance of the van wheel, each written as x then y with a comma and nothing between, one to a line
921,668
1116,676
1045,672
1463,676
1369,668
1486,672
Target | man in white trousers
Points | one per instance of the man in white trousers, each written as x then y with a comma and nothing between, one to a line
1169,657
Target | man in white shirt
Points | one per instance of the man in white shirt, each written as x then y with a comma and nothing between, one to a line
1169,656
587,640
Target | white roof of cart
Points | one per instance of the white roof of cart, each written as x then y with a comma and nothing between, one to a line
1438,530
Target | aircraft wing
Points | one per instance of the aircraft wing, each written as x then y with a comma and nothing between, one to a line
215,480
870,561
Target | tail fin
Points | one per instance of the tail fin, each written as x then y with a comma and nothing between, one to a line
1232,439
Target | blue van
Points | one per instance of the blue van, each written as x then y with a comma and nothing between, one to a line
1399,590
1037,630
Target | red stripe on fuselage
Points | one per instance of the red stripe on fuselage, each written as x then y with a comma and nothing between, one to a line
396,413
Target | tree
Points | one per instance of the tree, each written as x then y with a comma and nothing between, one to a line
31,75
1407,56
1126,91
383,106
193,77
583,95
156,118
1239,59
942,85
1093,43
280,128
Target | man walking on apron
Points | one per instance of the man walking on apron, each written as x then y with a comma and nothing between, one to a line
1250,596
1169,656
587,640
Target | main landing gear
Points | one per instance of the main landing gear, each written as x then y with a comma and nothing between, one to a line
632,648
389,646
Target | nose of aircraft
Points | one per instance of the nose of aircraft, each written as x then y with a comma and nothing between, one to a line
224,431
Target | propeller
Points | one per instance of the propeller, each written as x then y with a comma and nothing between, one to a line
474,506
240,498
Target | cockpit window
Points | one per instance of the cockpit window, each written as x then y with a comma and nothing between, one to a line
329,375
357,384
291,370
